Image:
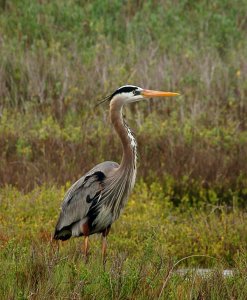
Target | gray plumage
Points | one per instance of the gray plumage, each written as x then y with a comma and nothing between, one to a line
96,200
82,199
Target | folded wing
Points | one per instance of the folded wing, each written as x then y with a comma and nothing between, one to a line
83,196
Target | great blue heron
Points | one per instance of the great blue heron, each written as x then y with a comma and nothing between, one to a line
96,200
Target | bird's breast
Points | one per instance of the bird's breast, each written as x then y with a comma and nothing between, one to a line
103,219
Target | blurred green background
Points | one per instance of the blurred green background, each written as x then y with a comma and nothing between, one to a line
59,57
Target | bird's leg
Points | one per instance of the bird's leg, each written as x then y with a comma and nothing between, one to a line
86,240
85,231
104,244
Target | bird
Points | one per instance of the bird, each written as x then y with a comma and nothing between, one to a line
95,201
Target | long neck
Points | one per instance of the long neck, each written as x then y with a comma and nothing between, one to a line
123,179
129,143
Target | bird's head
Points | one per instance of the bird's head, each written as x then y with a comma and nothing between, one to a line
130,93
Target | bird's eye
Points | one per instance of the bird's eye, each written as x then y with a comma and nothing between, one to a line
136,92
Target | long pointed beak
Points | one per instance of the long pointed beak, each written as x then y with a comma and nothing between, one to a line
150,93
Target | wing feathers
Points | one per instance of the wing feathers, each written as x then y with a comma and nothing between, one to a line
82,201
77,203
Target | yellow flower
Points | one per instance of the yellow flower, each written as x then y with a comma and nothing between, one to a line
238,73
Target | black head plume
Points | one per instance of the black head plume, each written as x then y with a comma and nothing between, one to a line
124,89
107,98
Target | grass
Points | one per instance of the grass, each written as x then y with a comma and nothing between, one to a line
57,59
55,275
144,245
42,150
51,79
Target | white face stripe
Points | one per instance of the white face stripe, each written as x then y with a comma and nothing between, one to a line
126,94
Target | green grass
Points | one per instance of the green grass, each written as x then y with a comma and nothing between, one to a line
57,59
43,150
145,243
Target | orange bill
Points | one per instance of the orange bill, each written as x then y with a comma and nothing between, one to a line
150,93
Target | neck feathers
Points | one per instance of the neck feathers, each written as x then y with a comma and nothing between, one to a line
125,175
126,136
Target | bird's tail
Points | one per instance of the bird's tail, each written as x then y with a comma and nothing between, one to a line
63,234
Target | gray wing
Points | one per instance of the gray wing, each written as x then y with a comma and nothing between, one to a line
79,198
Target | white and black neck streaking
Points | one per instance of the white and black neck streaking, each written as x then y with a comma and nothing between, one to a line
123,179
129,145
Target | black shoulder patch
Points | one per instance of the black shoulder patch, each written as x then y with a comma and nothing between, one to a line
100,175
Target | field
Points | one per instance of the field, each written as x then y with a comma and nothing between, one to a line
144,247
188,208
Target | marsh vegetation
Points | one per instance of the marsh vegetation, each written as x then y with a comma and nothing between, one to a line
57,59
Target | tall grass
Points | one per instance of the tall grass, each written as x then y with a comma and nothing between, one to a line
146,248
58,58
